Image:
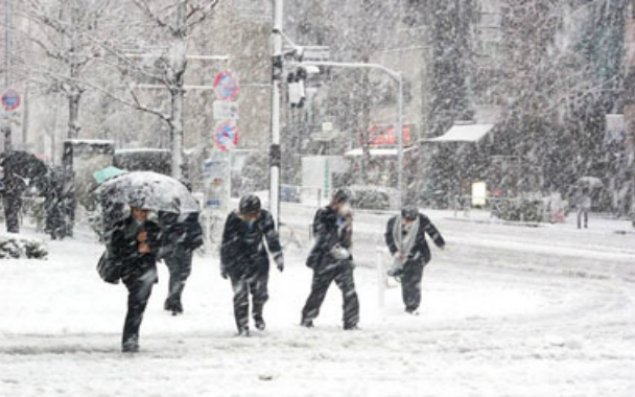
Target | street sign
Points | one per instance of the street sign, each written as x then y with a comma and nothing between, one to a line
11,100
216,173
226,86
225,110
226,135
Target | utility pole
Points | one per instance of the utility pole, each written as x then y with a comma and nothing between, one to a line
276,77
6,122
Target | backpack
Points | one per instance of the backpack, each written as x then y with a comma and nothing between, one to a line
109,269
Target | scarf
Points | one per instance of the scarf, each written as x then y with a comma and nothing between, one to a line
406,243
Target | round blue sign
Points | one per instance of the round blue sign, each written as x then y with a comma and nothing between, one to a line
11,100
226,86
226,136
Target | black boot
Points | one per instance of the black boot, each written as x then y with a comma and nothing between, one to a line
260,323
244,332
130,345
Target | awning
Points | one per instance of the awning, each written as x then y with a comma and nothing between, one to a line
464,133
377,152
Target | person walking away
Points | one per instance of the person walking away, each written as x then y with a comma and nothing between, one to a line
134,242
406,239
584,206
181,236
245,262
53,206
331,261
14,187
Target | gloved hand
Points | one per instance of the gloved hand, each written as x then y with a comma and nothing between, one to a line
223,274
340,253
279,259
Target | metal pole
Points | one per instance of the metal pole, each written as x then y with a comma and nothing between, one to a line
6,124
7,20
276,77
399,133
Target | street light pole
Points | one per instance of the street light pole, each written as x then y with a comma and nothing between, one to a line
6,123
399,124
399,133
276,77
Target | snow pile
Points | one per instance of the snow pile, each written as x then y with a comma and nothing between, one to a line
18,246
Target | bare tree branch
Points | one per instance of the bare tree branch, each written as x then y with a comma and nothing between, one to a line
150,14
136,103
125,58
199,13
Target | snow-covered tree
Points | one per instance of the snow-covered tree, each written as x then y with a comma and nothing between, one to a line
64,31
167,29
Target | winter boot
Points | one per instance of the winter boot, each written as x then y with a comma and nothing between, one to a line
131,345
260,323
307,323
244,332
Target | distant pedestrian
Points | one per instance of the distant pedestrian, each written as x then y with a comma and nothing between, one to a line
181,236
247,235
134,243
405,238
53,206
583,202
331,261
14,187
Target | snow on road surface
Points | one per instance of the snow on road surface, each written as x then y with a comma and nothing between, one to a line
507,311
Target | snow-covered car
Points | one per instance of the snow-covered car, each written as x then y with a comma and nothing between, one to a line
374,197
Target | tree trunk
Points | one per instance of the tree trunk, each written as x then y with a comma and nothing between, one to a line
73,115
365,123
75,93
177,65
176,132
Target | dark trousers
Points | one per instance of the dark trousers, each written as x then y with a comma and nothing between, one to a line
180,266
411,284
249,284
342,274
583,214
12,205
139,285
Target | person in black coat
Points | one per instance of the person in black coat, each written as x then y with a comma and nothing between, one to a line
411,252
331,260
14,187
244,259
53,205
134,243
182,234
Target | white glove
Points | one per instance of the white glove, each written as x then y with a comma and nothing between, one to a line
339,253
279,259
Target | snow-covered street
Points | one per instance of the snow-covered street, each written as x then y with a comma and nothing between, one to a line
508,310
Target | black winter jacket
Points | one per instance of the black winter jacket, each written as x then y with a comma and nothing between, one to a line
184,231
243,250
328,231
123,246
420,251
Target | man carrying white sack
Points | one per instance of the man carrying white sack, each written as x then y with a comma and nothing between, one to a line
406,240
